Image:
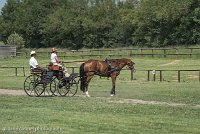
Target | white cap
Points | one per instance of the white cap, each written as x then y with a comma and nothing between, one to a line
32,52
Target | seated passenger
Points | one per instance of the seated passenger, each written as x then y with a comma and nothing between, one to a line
66,74
54,58
34,64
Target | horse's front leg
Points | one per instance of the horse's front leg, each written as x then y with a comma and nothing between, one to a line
87,84
112,92
86,91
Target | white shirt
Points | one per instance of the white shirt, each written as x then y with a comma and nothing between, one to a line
33,63
53,58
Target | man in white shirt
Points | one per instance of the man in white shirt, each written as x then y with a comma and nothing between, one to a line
34,64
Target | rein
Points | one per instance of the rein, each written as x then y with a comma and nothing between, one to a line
108,72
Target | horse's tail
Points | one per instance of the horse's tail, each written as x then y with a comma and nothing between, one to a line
83,77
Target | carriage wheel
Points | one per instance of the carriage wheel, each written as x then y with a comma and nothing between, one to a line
73,88
29,86
53,86
62,88
39,86
48,88
67,88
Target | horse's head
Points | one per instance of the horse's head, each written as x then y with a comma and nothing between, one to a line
130,64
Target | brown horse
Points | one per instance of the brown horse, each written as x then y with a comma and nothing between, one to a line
108,68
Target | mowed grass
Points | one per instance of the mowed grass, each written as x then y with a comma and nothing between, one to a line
102,113
93,115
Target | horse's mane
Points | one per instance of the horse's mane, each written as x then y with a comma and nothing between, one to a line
122,59
118,60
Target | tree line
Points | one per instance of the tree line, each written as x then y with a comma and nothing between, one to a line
76,24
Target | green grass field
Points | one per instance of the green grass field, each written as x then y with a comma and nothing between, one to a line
140,106
94,115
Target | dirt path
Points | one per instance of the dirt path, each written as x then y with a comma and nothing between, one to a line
171,63
111,100
12,92
137,101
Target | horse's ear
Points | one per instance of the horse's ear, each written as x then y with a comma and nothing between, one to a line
132,62
129,61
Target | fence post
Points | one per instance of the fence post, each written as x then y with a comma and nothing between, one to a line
179,75
199,76
15,71
130,54
131,74
160,75
141,51
72,69
164,52
191,52
24,71
148,75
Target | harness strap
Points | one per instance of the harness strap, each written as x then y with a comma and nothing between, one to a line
109,64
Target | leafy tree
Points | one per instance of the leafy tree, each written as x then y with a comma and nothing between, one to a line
15,39
101,23
103,17
8,17
2,43
157,21
64,27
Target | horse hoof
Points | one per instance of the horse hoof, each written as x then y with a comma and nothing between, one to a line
87,95
111,95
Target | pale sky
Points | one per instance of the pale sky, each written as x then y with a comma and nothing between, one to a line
2,3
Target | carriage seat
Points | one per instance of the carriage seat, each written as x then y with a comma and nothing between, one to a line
54,67
35,72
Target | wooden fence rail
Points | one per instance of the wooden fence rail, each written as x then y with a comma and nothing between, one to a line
16,70
154,72
122,52
72,70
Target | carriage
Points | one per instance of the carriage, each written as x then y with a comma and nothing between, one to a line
51,83
54,82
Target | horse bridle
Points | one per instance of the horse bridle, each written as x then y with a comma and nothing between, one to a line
131,67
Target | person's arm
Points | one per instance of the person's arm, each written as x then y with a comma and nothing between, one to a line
57,60
36,64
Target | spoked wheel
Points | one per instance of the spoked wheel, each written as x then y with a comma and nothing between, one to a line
62,88
51,88
29,86
39,86
67,88
73,88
